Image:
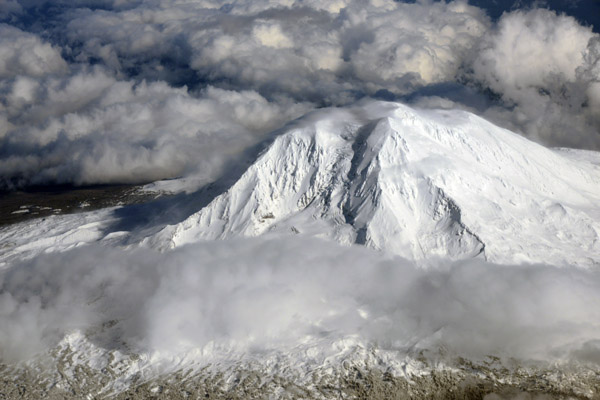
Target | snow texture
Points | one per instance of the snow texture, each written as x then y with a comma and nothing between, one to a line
415,183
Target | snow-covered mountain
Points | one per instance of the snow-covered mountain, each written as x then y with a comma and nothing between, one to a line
430,186
420,184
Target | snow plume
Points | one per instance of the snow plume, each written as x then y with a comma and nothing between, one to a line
129,91
251,296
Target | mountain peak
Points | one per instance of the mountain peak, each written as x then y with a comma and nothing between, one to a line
415,183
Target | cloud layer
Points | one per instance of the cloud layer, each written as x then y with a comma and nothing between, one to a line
545,66
130,91
255,295
89,127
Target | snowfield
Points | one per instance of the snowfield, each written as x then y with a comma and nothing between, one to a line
482,252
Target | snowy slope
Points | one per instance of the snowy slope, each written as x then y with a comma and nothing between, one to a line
55,233
415,183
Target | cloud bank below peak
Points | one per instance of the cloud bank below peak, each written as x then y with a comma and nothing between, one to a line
254,296
103,91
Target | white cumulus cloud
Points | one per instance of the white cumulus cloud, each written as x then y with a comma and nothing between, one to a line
541,64
90,94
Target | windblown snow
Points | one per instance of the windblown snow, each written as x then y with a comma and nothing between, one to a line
419,184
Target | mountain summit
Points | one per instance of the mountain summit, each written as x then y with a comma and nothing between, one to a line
415,183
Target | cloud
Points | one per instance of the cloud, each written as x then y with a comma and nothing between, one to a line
10,8
339,47
92,128
116,111
426,42
23,53
130,91
542,66
253,295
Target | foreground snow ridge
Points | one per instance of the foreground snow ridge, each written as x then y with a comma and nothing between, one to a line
416,183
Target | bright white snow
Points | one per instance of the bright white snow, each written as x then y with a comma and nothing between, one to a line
419,184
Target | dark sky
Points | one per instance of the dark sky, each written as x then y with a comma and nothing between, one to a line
587,12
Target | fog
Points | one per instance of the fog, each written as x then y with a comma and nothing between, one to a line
103,91
254,295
